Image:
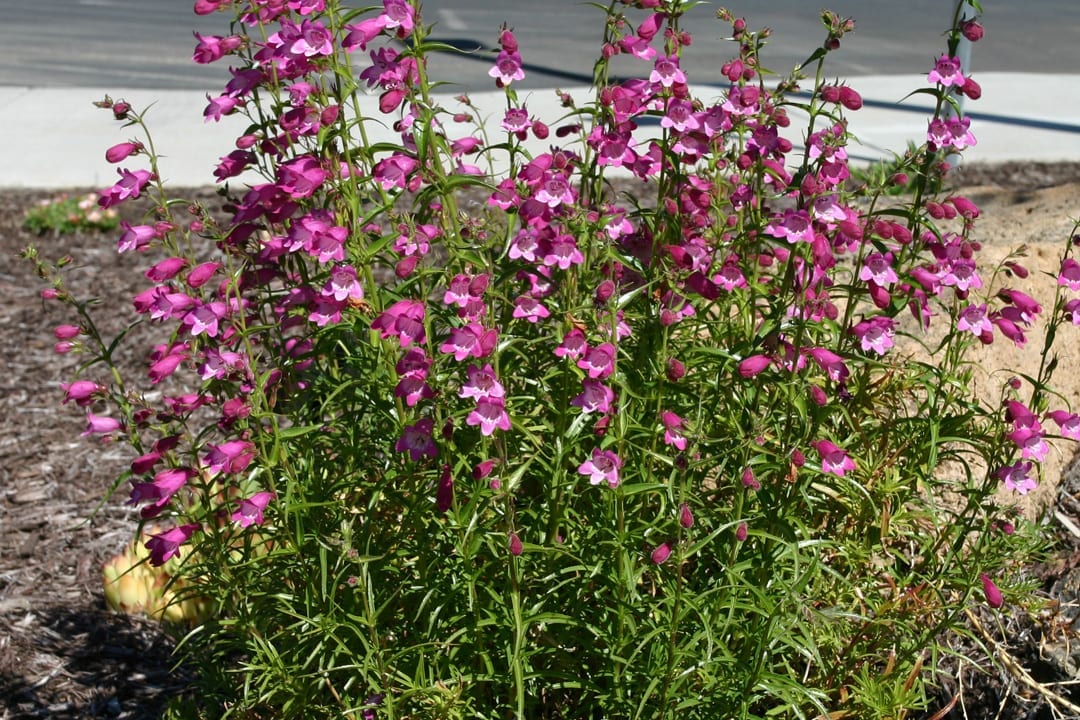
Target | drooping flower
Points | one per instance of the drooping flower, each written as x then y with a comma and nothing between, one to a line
165,545
833,459
250,511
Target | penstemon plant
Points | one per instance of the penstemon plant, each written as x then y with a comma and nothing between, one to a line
670,419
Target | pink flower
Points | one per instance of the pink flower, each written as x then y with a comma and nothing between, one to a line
947,72
599,361
471,340
507,68
673,425
833,459
875,334
1016,477
98,425
82,392
398,15
250,511
529,308
666,71
974,319
1068,422
490,414
403,320
214,47
1070,275
122,151
220,106
793,226
603,466
131,184
482,384
831,363
751,366
230,457
417,440
163,546
686,517
1031,441
596,397
878,267
394,171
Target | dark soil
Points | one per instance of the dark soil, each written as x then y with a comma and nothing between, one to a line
64,655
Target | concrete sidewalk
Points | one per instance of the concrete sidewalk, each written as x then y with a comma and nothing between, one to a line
61,140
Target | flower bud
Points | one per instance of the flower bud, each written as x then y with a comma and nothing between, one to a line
686,517
849,98
972,30
971,89
741,532
749,481
66,332
121,151
661,554
120,110
515,544
993,595
675,370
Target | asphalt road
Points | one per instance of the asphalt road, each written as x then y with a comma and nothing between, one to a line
148,43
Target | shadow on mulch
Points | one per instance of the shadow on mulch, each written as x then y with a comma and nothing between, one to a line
86,662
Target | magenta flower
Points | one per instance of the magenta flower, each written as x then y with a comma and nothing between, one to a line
831,363
598,361
875,334
1031,441
398,15
603,466
596,397
751,366
490,414
974,319
98,425
507,68
81,392
1070,275
878,267
793,226
947,72
471,340
230,457
686,517
122,151
573,345
394,171
1068,422
833,459
417,440
1016,477
666,71
673,425
166,483
163,546
529,308
131,184
482,384
250,511
204,319
403,320
220,106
